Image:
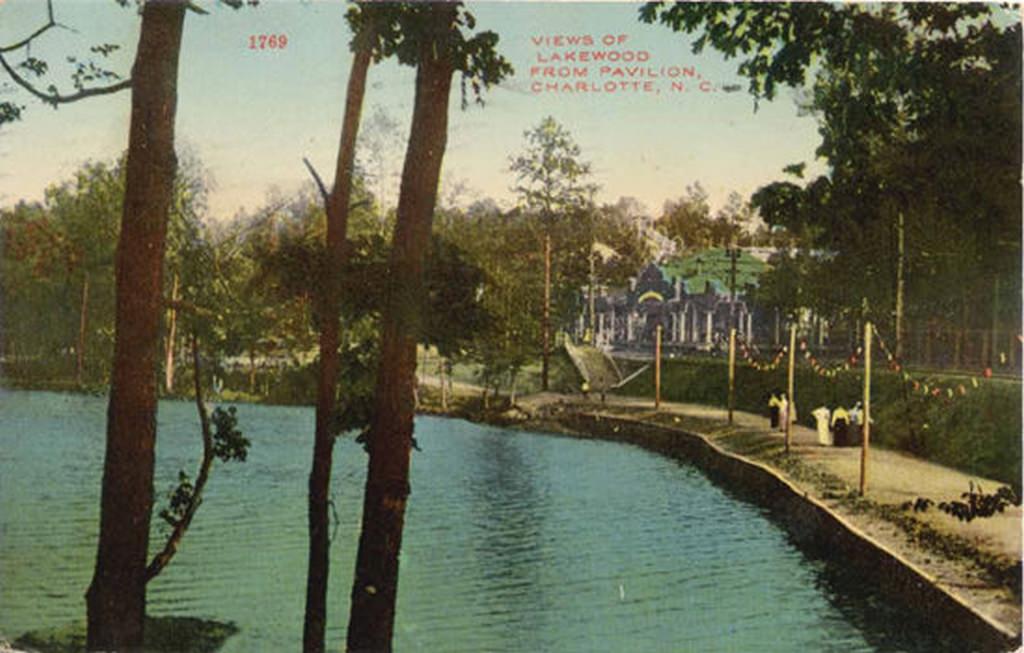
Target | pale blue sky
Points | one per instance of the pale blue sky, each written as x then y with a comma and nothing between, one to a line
253,115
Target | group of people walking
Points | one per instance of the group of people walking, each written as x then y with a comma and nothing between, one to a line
839,427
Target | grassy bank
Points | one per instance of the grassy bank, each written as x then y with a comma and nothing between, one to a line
978,432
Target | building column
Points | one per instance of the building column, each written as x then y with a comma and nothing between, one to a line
710,326
612,337
629,327
750,327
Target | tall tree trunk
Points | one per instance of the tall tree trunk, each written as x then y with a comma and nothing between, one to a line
172,316
375,586
83,323
546,319
313,638
116,600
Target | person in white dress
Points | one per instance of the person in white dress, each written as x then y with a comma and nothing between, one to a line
821,418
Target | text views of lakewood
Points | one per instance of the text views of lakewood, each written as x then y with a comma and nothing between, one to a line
602,64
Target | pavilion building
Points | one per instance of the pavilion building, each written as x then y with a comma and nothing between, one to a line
695,298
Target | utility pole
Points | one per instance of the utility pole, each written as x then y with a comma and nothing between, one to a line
657,367
732,252
546,322
732,372
593,312
866,428
791,400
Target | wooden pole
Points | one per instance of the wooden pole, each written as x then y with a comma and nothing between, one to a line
866,428
790,399
657,367
732,371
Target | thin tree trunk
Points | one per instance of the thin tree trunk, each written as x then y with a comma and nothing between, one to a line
375,586
546,320
928,338
170,547
314,628
961,334
444,388
900,263
116,600
993,355
172,316
252,371
82,327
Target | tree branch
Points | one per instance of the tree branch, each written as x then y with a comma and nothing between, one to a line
174,539
56,98
50,22
188,307
52,98
319,182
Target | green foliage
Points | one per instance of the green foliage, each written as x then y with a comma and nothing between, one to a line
689,223
551,180
228,442
919,112
978,433
976,503
58,261
180,499
404,30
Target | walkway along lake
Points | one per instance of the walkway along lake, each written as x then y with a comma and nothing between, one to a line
514,542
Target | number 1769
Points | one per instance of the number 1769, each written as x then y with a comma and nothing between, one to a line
268,41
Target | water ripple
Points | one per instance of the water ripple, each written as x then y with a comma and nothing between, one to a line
514,542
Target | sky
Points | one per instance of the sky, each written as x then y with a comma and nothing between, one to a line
251,115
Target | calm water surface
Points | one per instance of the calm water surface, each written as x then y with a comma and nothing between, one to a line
514,542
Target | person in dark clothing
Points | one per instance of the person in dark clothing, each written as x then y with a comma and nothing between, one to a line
840,427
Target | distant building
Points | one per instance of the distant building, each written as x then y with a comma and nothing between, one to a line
690,296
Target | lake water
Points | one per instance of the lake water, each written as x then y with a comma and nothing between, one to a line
514,542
